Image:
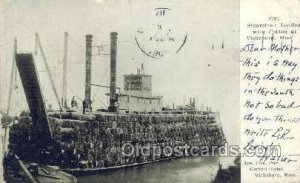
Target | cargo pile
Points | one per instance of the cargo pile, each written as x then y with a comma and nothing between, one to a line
95,140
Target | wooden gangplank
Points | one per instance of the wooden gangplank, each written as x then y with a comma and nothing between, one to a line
29,77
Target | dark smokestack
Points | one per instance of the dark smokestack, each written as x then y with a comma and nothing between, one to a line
194,102
88,68
113,64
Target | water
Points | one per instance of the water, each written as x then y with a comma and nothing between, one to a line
189,170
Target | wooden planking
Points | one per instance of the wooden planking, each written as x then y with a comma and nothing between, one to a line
33,93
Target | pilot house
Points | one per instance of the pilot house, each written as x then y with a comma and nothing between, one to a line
137,94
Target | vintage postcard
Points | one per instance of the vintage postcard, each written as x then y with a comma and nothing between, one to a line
149,91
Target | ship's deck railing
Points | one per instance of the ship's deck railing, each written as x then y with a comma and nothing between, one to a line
91,114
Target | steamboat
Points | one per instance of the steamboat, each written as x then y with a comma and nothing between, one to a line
88,141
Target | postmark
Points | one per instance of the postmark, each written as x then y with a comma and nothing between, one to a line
160,38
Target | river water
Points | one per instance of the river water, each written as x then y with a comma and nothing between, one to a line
189,170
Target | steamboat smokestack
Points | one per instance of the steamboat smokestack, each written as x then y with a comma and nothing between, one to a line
65,74
194,102
88,68
113,64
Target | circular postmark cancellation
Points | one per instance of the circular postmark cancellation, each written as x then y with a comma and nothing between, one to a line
162,36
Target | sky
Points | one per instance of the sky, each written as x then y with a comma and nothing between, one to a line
197,70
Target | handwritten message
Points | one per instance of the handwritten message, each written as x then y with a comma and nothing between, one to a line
270,105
